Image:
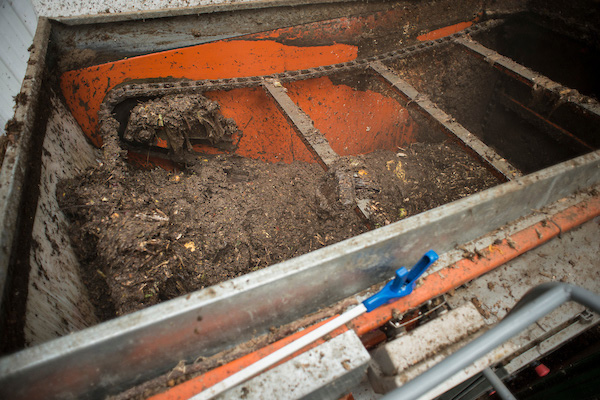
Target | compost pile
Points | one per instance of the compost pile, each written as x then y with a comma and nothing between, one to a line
148,236
179,120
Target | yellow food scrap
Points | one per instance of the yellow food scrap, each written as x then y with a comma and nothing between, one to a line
398,170
191,246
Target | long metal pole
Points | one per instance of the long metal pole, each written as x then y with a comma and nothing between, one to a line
538,302
497,383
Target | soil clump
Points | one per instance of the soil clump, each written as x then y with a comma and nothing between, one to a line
180,120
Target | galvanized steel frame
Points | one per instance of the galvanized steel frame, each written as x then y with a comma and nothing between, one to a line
16,165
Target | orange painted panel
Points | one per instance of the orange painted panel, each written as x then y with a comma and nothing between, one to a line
266,134
85,89
353,121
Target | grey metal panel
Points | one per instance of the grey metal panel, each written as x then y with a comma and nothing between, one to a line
537,303
111,356
152,31
57,299
74,13
324,372
26,13
16,160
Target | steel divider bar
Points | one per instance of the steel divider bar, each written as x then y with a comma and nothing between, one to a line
494,161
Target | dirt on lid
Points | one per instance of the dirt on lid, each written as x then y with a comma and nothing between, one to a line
149,236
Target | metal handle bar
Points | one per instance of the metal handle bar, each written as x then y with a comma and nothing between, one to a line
536,303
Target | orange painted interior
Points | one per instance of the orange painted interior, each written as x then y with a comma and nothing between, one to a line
250,55
85,89
429,287
266,133
380,122
353,121
445,31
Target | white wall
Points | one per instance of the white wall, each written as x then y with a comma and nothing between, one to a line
17,27
63,8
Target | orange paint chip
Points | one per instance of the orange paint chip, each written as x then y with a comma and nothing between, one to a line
445,31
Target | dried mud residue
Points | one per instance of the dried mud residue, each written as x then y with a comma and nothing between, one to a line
148,236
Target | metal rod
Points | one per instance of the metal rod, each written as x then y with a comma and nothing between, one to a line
495,162
555,131
310,135
497,383
316,143
538,302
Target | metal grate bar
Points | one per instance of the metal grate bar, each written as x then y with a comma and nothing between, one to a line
493,159
497,383
529,76
553,130
315,140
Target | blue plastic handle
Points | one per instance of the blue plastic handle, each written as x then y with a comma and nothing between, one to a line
403,284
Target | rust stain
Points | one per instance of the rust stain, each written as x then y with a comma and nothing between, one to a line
85,89
353,121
